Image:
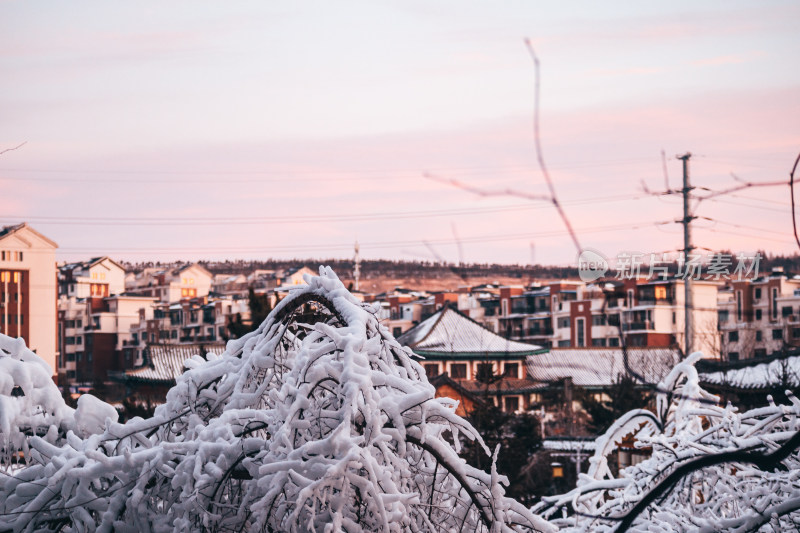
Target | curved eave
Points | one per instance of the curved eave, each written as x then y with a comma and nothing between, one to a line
150,381
433,354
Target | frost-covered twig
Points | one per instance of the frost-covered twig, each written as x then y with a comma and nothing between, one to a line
319,420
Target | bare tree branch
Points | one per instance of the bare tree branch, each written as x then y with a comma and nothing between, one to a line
488,192
551,197
791,194
744,185
14,148
539,156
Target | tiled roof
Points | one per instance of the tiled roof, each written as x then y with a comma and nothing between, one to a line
7,230
449,333
601,367
783,372
10,230
166,361
569,445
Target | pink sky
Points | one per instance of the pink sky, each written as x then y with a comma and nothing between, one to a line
259,131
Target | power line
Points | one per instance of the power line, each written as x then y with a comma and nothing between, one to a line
282,174
296,219
348,246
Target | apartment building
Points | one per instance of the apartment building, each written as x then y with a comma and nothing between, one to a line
28,289
642,313
759,317
172,284
192,321
95,317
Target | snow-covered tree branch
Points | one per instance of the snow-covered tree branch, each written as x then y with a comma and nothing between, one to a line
318,420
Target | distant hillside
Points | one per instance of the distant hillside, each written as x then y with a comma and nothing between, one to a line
448,273
372,269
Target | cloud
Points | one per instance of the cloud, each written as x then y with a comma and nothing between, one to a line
728,59
634,71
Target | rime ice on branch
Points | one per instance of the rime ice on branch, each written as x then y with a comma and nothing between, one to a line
318,420
711,469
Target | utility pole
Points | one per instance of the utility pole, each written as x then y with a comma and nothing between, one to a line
356,267
688,325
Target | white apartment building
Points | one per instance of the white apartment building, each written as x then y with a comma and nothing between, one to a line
28,289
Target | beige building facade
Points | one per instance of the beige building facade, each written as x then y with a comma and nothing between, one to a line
28,301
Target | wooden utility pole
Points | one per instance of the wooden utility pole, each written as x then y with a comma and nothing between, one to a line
688,326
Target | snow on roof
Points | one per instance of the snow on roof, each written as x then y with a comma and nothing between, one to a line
6,231
167,361
451,333
568,445
778,373
601,367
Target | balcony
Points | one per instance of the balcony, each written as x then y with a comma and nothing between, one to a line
638,326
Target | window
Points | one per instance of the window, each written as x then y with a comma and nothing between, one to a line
563,344
458,371
777,334
733,336
757,295
758,314
796,333
581,332
613,341
78,340
598,342
431,370
484,372
733,356
661,292
759,336
511,370
70,374
739,305
512,404
774,302
71,357
786,310
599,320
563,322
89,357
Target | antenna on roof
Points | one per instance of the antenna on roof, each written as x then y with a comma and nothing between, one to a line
356,267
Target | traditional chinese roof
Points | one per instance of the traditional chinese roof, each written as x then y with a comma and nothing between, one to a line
781,372
166,362
571,444
601,367
449,334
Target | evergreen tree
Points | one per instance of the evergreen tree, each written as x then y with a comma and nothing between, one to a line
260,306
623,396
